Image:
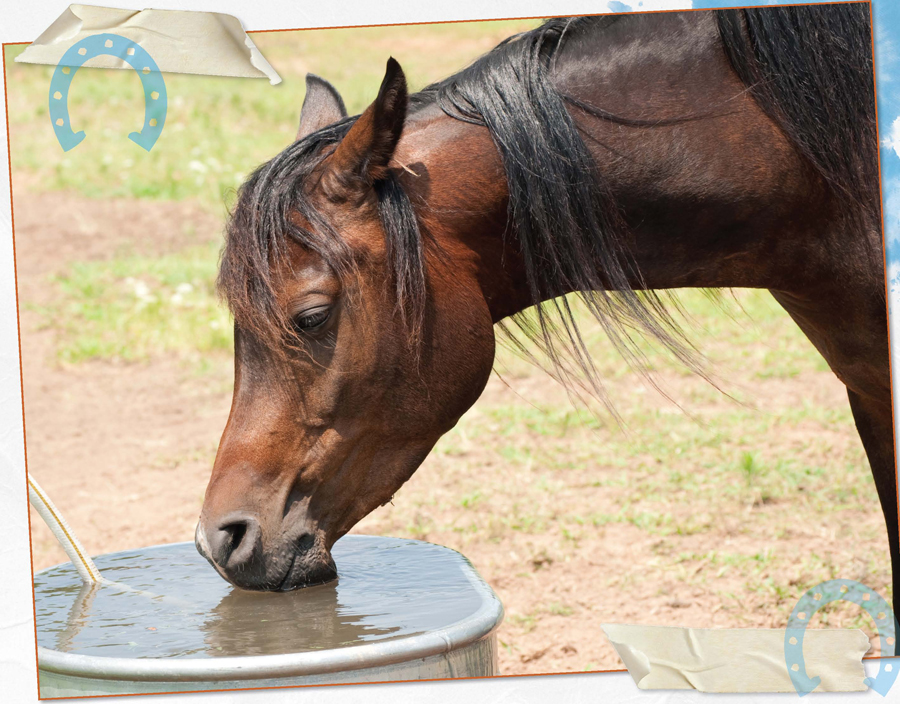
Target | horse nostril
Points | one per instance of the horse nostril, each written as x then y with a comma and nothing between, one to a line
305,543
238,531
235,542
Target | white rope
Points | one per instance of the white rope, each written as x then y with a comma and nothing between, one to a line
53,518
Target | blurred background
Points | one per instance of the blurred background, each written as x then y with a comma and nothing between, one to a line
701,509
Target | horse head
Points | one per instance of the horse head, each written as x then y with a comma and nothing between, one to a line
354,351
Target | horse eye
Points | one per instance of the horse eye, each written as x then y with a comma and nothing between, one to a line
310,320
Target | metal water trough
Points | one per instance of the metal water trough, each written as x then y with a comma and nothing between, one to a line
461,645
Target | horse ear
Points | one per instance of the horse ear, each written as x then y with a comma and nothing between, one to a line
366,150
322,106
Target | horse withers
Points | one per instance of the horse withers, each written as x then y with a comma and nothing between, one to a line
369,264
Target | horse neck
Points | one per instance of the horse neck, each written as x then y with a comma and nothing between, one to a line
711,191
454,177
721,200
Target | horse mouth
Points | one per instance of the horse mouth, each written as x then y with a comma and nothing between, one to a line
298,578
290,583
287,575
308,564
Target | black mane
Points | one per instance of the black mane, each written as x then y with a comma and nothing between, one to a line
809,68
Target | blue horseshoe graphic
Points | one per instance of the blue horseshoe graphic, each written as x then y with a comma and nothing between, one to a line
815,599
155,103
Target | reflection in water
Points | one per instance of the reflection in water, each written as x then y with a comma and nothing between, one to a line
309,619
78,615
168,602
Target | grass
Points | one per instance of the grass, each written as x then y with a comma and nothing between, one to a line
740,329
720,443
217,129
134,308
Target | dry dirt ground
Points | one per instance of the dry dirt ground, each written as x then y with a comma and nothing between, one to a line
568,533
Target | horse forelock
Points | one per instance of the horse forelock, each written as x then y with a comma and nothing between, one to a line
273,207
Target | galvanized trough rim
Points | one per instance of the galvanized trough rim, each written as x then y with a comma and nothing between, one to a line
469,630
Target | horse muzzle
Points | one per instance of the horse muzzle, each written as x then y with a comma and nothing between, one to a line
234,546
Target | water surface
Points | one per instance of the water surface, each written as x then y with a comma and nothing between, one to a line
387,588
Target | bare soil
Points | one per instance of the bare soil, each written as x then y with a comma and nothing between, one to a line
123,449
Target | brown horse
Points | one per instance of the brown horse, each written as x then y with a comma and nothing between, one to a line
368,264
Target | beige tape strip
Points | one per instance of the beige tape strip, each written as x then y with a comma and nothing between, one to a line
736,659
206,43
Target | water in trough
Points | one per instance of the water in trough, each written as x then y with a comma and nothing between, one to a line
174,605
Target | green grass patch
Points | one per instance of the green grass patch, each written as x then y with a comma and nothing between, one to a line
738,329
132,308
217,129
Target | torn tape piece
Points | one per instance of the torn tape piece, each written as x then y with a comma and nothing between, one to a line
205,43
736,659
